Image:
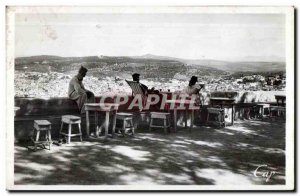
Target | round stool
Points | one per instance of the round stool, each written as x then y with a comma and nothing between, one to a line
126,119
70,120
160,115
44,126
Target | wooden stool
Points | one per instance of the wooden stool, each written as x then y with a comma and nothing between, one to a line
38,126
70,120
125,117
220,115
262,108
160,115
278,109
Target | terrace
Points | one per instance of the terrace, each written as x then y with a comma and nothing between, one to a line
207,155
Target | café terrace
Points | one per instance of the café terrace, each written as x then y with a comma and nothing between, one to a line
165,139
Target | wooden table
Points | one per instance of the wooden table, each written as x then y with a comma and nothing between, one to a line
281,98
224,101
186,104
108,108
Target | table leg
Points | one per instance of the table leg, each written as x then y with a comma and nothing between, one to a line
97,131
192,120
87,124
186,116
106,123
49,137
232,114
175,119
114,124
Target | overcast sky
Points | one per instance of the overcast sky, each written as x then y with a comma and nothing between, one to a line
190,36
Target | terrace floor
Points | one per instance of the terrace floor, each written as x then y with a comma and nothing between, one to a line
205,156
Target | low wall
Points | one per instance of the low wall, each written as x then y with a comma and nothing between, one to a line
37,107
244,96
52,109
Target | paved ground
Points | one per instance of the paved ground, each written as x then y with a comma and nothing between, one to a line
204,156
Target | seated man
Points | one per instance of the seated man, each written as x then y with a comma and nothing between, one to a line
145,89
78,93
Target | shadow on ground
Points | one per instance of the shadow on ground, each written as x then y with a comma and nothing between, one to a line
205,156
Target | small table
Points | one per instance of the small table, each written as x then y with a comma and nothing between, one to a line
108,108
224,101
186,104
281,98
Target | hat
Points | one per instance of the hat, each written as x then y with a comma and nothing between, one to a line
82,70
194,78
135,75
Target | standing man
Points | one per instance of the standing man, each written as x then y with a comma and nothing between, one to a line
78,93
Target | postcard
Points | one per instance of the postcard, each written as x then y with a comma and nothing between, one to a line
174,98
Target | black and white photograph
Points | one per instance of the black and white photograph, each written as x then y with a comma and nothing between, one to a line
150,98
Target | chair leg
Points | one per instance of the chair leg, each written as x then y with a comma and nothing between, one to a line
33,137
207,119
69,133
169,123
185,118
223,123
79,128
37,135
61,128
132,127
165,125
150,124
124,127
49,137
37,138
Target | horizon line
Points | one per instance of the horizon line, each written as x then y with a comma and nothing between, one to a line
155,55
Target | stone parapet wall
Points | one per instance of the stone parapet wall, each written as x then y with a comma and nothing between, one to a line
244,96
52,109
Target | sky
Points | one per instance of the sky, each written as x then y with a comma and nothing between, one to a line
189,36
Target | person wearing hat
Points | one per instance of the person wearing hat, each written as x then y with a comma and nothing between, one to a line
145,89
78,93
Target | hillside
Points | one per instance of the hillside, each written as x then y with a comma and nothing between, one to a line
101,66
150,66
259,64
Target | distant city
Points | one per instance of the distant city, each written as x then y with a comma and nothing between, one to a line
49,76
